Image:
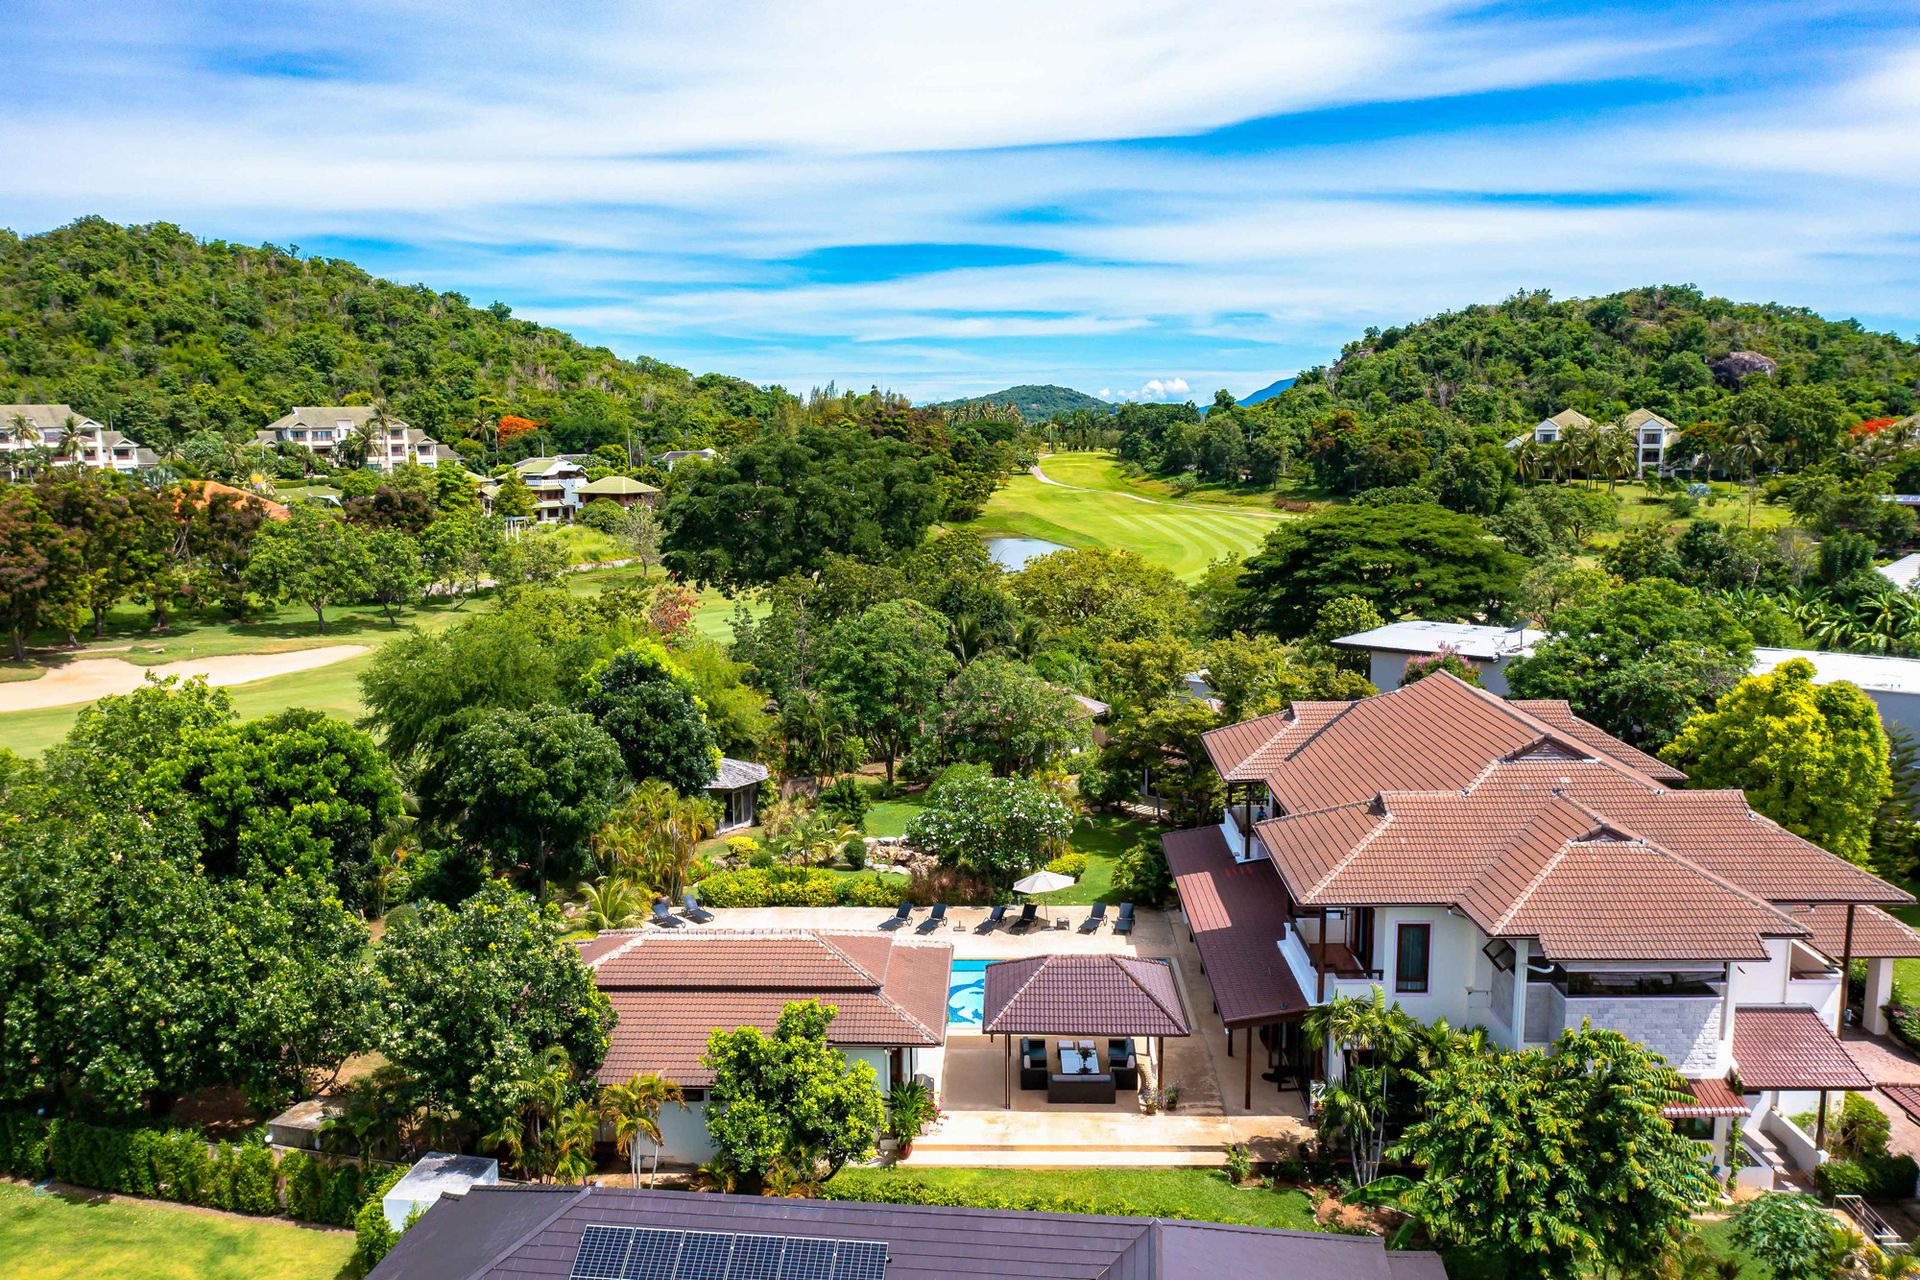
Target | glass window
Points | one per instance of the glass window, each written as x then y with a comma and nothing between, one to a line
1413,955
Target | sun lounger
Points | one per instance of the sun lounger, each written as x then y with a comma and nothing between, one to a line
898,918
935,919
663,917
692,910
1123,923
1095,920
1028,914
994,919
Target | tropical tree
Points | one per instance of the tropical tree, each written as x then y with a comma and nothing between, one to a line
653,835
1746,441
633,1109
611,902
575,1131
887,666
1793,1236
996,828
312,557
645,701
1617,454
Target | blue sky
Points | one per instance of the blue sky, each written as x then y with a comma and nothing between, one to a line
1145,200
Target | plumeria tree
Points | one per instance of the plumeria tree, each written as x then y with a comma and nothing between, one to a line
996,828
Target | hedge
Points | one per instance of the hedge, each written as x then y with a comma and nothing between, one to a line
914,1191
1872,1177
373,1237
797,887
179,1165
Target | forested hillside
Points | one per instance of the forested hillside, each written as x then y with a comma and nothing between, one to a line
1037,403
162,336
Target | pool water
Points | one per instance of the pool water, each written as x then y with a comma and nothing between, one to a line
966,992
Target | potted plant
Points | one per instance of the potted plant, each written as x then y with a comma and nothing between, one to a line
910,1110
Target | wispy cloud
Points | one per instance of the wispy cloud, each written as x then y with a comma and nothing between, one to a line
948,199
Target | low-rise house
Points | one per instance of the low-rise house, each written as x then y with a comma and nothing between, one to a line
1507,864
1489,649
70,438
674,457
320,429
625,491
737,789
1653,436
607,1233
555,482
1904,572
672,989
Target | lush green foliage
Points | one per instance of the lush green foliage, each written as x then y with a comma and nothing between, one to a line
1099,594
995,828
887,665
799,887
999,712
1811,757
1036,403
1792,1235
645,702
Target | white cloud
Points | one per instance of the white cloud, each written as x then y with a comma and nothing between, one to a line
1159,389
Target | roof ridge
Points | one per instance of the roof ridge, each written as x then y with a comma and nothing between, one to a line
1521,899
846,959
622,949
1346,859
1127,963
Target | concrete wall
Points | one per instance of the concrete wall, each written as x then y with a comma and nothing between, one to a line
1901,709
1763,981
1460,988
685,1131
1546,1012
1385,667
1685,1030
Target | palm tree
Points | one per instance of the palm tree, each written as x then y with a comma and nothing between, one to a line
968,636
1029,637
634,1109
1747,442
1618,454
71,437
576,1129
378,426
612,902
1578,446
1530,460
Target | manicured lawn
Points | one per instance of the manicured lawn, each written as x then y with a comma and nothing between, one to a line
1637,507
1104,471
47,1237
1103,838
1201,1194
890,817
1183,538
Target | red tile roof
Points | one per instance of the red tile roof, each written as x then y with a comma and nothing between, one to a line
1238,914
671,991
1876,935
1711,1098
1906,1097
1791,1047
1090,995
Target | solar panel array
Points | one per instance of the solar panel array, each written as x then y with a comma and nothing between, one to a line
648,1253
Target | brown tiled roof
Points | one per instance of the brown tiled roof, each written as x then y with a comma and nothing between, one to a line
1433,735
671,991
1791,1047
1906,1097
1091,995
1711,1098
1560,715
1876,935
1238,914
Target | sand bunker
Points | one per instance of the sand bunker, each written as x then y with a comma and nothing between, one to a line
90,678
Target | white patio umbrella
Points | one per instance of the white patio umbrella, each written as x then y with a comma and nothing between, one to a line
1042,882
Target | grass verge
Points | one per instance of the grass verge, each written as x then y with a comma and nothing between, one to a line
1200,1194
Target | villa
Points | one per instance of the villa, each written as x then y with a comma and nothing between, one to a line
320,429
555,482
604,1233
1509,865
671,989
1653,435
69,437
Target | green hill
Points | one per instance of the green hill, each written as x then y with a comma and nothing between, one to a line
1037,403
163,335
1663,348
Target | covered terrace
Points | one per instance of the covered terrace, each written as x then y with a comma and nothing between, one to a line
1109,997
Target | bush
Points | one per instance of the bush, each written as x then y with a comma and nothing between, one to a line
1069,864
1683,507
770,887
871,891
372,1236
1842,1178
854,853
182,1168
846,801
761,859
1862,1130
894,1190
23,1145
741,848
1142,874
602,514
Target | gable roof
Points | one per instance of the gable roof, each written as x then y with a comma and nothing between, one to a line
1645,417
1090,995
672,990
1570,418
608,486
1439,733
520,1233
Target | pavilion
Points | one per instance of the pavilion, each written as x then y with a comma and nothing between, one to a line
1083,995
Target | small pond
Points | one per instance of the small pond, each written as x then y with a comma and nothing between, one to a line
1012,554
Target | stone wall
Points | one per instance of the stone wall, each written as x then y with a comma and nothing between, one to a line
1685,1030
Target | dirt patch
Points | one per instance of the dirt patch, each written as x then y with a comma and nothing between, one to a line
91,678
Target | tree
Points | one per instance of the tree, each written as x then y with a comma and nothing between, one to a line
1812,757
458,549
996,828
653,834
887,666
633,1109
1139,673
38,561
297,793
219,547
1093,595
531,786
395,572
513,500
1410,559
638,532
1160,749
107,533
1556,1162
475,995
644,700
788,1104
1255,675
1000,713
1794,1237
1640,662
311,557
782,502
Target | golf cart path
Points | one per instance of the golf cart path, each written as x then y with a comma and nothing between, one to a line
1044,478
85,679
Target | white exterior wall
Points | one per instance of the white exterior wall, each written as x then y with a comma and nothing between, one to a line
685,1131
1901,709
1763,981
1386,666
1461,979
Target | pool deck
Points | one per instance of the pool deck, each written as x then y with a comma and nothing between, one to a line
968,1072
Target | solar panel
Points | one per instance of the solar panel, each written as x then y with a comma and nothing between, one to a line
602,1250
860,1260
647,1253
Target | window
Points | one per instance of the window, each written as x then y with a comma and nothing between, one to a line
1412,956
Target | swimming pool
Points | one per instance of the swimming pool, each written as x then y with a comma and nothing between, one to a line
966,991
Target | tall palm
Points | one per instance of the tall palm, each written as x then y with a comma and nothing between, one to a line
1530,460
379,425
1747,443
1030,637
1617,453
71,437
576,1129
633,1109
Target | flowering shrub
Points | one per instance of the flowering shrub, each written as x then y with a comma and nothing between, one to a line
997,828
512,426
1069,864
798,887
1446,658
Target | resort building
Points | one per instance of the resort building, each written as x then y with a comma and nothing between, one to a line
555,482
606,1233
625,491
1506,864
68,437
1654,437
736,787
671,989
321,429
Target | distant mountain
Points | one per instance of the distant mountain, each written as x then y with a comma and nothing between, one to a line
1267,392
1037,403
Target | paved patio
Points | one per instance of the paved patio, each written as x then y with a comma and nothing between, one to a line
978,1130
